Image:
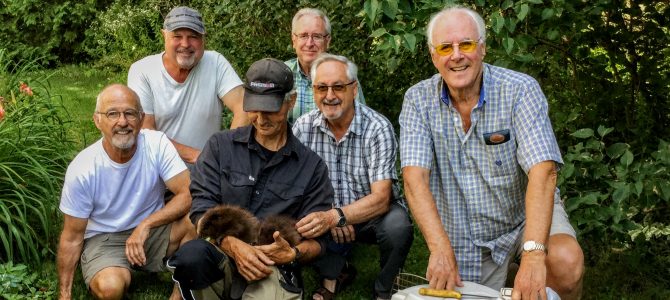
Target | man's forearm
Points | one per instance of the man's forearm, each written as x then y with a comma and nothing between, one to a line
66,261
375,204
539,201
423,208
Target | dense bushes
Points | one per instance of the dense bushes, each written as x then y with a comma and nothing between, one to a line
34,151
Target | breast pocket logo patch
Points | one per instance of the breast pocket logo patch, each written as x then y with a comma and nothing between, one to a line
497,137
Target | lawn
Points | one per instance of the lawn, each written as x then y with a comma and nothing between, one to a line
609,275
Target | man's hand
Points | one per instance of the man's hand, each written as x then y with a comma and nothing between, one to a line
317,223
531,279
442,272
280,251
135,245
345,234
251,263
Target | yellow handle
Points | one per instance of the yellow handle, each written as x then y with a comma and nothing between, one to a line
439,293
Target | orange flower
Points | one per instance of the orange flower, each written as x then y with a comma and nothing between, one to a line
25,89
2,109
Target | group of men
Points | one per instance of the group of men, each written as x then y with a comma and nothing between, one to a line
478,155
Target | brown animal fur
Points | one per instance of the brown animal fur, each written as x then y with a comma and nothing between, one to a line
229,220
284,224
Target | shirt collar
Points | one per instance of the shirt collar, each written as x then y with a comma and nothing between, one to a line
444,91
356,125
245,135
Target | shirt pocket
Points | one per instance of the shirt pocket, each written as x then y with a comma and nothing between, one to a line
284,198
502,158
237,188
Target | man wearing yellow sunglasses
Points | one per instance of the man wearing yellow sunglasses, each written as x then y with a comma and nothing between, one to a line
480,162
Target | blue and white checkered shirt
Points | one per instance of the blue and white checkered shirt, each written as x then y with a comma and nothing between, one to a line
478,178
304,102
365,154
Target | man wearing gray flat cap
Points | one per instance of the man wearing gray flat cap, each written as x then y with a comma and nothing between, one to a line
183,89
264,169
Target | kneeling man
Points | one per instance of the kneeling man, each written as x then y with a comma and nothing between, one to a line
359,147
114,215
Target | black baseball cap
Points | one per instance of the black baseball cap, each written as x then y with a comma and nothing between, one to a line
268,81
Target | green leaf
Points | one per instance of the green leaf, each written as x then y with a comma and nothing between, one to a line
511,25
378,32
627,158
617,150
547,13
638,188
410,38
621,194
390,8
553,34
603,131
523,12
535,1
507,4
509,44
480,2
583,133
498,22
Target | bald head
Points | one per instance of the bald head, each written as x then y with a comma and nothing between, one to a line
118,91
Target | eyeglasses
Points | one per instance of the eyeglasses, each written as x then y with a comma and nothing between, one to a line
317,37
337,88
467,46
113,115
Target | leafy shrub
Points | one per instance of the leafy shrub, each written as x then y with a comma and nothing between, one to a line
125,32
53,30
18,282
34,152
613,196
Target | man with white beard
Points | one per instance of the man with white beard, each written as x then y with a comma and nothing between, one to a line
114,216
184,88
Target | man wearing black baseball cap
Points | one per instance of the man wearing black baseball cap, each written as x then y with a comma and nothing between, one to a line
183,89
262,168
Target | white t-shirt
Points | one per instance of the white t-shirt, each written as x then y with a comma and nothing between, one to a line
188,112
116,197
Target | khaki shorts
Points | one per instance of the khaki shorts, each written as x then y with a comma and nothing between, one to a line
109,250
494,276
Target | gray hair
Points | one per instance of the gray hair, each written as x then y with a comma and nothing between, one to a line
310,12
98,99
352,69
290,94
479,21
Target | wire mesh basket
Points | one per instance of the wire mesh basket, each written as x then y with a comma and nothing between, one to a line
407,280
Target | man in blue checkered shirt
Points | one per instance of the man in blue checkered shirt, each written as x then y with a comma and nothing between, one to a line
310,36
359,146
480,160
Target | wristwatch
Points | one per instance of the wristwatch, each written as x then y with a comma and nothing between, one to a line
530,246
342,221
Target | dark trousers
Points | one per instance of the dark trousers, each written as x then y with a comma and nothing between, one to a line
393,232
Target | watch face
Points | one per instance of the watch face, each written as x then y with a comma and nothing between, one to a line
529,245
341,222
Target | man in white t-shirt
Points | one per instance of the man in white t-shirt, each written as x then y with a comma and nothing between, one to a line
184,88
114,215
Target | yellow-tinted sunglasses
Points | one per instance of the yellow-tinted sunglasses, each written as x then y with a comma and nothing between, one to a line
467,46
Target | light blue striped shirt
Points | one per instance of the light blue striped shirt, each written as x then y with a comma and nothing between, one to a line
304,102
365,154
479,188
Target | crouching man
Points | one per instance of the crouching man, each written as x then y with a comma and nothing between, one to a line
114,215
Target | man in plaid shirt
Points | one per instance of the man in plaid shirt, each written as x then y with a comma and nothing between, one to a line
480,162
310,36
359,147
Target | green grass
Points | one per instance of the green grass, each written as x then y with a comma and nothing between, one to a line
609,275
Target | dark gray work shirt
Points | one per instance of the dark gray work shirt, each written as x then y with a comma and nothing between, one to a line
232,169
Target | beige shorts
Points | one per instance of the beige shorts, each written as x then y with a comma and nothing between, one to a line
494,275
109,250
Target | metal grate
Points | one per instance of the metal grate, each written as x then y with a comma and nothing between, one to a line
406,280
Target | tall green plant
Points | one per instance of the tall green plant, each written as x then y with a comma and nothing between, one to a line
34,152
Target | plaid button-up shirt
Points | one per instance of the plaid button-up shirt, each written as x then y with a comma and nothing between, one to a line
478,178
365,154
304,102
